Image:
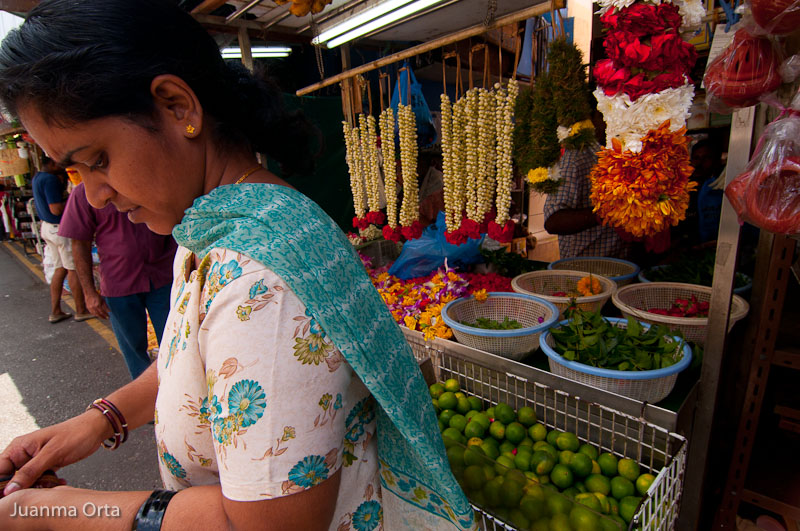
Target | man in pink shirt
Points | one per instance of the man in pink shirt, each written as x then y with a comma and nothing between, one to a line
135,269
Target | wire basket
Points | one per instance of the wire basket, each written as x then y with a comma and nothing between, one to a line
620,271
646,386
738,291
658,451
534,314
634,301
542,283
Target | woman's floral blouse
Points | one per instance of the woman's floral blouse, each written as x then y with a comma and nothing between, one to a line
253,395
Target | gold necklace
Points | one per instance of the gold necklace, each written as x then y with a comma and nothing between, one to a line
247,174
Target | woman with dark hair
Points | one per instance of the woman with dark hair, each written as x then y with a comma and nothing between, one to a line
285,395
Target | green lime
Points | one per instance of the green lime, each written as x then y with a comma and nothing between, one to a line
504,413
474,441
451,436
458,422
571,492
643,483
481,418
628,506
474,429
477,497
491,492
503,464
621,487
537,432
613,505
490,450
596,468
436,390
582,519
568,441
618,523
628,468
589,451
452,385
459,394
469,414
446,415
497,430
473,455
535,490
463,406
515,432
511,493
448,400
598,483
522,461
518,476
565,457
455,455
474,477
532,477
544,479
532,507
581,465
552,435
511,455
506,446
527,442
490,472
560,522
542,462
490,412
475,403
545,447
580,486
442,425
542,524
608,464
589,500
605,505
518,519
558,504
561,476
527,416
502,513
436,405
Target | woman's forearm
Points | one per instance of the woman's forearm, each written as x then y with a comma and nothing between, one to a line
137,400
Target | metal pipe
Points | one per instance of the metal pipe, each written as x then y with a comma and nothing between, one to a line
233,16
331,14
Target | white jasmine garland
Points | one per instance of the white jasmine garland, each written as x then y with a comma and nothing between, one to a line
370,233
389,167
353,157
628,121
504,128
486,154
471,148
369,151
446,112
458,161
409,209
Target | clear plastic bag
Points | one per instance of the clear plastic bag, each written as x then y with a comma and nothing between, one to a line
767,193
773,17
747,70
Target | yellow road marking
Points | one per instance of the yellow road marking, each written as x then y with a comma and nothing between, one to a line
100,327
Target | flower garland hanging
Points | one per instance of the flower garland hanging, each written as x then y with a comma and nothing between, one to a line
486,176
536,146
452,218
641,182
502,227
391,231
409,209
369,152
571,96
455,201
353,157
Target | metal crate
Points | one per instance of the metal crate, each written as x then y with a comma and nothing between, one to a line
657,450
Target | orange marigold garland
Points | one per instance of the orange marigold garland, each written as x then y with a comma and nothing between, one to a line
644,193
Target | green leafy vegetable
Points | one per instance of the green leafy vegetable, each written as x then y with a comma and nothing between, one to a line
693,268
491,324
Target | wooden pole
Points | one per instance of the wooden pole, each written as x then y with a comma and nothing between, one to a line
244,46
472,31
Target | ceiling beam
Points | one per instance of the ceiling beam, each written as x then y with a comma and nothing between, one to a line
207,6
18,6
218,22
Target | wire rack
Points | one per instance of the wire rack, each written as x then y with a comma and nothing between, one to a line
657,450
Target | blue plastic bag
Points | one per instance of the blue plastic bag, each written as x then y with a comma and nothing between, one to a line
427,253
426,131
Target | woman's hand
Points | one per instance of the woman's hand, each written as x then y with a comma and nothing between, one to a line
28,456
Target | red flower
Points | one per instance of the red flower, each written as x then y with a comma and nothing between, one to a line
375,217
360,223
456,237
413,232
391,234
470,228
643,19
502,234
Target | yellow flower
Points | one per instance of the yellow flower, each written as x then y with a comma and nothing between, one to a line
410,322
481,295
588,286
538,175
243,312
577,127
425,318
429,333
288,433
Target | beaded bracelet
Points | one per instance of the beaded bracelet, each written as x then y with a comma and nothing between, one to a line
151,513
115,418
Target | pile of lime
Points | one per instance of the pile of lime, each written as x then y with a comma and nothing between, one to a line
531,477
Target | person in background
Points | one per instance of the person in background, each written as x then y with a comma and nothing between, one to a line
135,272
568,213
48,196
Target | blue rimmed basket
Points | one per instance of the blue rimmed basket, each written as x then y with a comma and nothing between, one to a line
620,271
645,386
534,314
742,291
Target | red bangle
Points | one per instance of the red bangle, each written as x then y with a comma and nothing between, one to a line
120,417
112,443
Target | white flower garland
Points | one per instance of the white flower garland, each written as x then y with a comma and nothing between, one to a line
353,157
472,145
409,210
389,166
446,112
692,11
485,184
370,233
629,121
504,127
369,152
459,162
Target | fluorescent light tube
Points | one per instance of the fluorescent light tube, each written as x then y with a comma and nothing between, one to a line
258,49
256,55
357,20
394,16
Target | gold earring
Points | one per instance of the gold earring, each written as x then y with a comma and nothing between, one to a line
190,129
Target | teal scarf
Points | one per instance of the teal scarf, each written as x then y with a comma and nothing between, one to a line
292,236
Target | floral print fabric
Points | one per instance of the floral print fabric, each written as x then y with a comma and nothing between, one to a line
254,396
